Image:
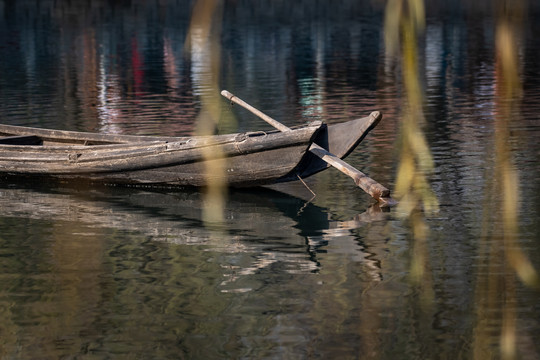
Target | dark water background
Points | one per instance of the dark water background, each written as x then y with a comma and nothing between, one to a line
127,273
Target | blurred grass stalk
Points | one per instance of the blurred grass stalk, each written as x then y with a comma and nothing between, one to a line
404,22
508,34
496,288
203,45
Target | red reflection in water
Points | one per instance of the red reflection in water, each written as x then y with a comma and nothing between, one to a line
137,67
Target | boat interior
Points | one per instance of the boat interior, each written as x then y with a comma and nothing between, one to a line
21,140
32,139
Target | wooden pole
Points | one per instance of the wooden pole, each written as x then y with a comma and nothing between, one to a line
255,111
370,186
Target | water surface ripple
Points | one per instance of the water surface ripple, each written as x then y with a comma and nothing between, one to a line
136,273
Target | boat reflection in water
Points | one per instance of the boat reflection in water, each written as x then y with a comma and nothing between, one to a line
277,228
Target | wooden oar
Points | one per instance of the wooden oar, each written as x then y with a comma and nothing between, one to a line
370,186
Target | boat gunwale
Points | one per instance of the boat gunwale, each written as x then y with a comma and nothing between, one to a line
65,136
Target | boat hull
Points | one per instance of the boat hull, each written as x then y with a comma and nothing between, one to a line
237,160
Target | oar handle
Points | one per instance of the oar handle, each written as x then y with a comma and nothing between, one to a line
370,186
255,111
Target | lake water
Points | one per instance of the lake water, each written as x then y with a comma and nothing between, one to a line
107,273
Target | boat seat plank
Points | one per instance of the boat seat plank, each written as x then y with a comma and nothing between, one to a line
21,140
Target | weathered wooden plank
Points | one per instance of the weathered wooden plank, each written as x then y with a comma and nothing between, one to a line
253,169
370,186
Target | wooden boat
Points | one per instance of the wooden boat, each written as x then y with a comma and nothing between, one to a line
252,158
